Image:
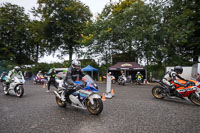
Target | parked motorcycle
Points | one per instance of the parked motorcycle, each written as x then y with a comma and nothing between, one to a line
39,80
122,80
190,92
139,79
85,98
3,76
16,85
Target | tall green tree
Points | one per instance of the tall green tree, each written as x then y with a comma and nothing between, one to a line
36,38
123,28
14,34
63,21
181,26
161,32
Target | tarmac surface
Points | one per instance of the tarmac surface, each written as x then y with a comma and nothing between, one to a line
132,110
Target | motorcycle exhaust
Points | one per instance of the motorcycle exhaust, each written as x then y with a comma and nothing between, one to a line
57,95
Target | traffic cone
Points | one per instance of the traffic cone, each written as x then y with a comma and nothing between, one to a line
103,98
43,85
112,92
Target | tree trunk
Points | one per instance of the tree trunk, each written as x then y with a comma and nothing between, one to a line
37,53
70,53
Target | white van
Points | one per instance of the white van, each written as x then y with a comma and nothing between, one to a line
61,72
187,70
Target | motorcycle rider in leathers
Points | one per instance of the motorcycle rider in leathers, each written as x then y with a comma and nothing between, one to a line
138,74
171,76
39,74
74,73
12,74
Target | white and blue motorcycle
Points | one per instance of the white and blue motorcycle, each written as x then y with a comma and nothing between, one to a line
15,86
84,98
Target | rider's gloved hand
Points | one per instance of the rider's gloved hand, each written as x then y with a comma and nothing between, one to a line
173,86
78,87
187,80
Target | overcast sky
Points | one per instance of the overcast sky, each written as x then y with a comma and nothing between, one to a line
96,6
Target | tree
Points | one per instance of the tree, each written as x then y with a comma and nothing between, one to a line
123,28
14,34
35,39
63,21
181,25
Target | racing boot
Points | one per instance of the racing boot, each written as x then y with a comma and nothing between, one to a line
63,97
172,90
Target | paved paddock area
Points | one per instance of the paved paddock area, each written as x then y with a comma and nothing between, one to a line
132,110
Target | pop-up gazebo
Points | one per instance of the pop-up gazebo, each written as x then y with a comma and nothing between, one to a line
90,69
130,68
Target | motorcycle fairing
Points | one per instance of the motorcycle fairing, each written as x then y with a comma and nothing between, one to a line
186,91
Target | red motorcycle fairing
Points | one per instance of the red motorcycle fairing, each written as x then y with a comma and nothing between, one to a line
183,82
186,91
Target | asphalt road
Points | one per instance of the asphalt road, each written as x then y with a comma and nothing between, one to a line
132,110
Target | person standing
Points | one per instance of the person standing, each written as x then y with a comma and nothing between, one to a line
52,74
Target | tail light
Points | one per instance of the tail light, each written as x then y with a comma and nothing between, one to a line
198,85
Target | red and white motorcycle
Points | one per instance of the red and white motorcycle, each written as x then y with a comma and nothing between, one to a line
190,92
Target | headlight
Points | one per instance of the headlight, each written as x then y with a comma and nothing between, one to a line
95,85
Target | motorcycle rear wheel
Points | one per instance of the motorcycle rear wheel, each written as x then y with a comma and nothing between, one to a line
96,108
60,103
20,91
194,99
157,92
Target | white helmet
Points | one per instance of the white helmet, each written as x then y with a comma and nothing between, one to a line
76,64
17,68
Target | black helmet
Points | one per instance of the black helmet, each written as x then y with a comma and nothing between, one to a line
17,68
178,69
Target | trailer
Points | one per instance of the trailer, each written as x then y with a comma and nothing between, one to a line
195,70
187,71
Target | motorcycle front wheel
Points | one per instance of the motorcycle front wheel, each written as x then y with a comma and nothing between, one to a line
139,82
20,91
194,99
157,92
60,103
96,108
5,89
